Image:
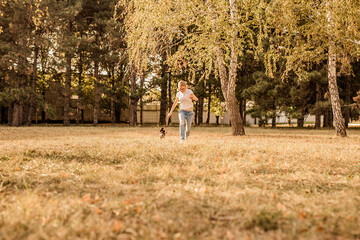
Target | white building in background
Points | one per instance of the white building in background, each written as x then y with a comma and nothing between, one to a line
151,115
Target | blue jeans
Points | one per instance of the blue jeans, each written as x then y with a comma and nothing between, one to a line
185,117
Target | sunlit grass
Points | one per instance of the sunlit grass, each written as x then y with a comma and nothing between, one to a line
122,183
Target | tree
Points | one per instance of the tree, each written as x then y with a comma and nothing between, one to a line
311,32
207,34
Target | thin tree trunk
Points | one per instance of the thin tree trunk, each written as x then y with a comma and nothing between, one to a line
97,94
142,81
79,91
244,113
164,88
170,99
33,86
10,114
273,120
326,120
17,113
200,110
97,84
209,105
133,99
318,112
334,93
67,90
113,118
196,112
347,101
242,109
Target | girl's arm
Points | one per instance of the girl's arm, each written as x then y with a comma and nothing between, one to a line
173,107
193,97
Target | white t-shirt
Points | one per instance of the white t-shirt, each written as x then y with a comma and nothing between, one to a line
184,99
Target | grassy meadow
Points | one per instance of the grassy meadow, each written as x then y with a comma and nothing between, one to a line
123,183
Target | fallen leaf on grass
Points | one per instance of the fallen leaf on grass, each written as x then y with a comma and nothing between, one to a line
126,202
65,175
158,218
117,227
97,199
98,211
87,197
204,190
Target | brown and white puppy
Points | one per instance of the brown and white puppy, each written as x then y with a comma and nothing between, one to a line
162,133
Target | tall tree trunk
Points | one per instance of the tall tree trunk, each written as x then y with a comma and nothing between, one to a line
43,113
33,86
273,122
209,105
200,110
334,93
228,82
79,91
142,81
10,113
97,83
242,109
163,86
318,112
113,118
67,95
347,100
301,119
17,111
97,96
327,118
133,99
170,100
196,112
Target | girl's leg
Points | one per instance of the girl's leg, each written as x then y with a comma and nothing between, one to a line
189,117
182,124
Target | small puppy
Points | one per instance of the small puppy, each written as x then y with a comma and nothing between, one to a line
162,133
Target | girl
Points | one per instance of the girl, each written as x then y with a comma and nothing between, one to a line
185,96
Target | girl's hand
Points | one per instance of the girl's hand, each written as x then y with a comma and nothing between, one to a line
193,97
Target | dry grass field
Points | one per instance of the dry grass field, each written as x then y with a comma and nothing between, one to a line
122,183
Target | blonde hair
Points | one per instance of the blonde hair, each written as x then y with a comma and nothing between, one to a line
181,83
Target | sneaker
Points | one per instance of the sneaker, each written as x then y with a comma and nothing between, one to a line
181,141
